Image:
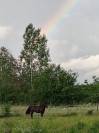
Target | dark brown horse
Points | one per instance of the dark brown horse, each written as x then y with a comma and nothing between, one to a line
36,108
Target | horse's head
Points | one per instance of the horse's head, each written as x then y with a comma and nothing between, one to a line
45,105
28,110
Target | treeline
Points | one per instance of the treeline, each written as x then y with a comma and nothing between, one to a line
33,78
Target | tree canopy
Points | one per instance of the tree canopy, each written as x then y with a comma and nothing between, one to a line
33,78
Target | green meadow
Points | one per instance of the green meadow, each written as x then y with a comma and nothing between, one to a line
56,120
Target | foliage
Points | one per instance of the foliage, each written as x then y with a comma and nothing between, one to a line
8,75
34,79
6,109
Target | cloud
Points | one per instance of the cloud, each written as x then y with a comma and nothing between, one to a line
86,63
73,41
62,50
85,66
4,31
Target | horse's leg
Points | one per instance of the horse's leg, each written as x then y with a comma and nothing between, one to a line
31,114
42,114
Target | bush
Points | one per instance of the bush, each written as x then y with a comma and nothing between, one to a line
90,112
6,109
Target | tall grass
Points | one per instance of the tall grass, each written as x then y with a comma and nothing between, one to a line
80,127
55,120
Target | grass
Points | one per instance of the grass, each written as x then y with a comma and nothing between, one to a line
55,120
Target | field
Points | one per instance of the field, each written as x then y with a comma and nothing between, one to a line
76,119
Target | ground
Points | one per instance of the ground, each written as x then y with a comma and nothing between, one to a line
60,119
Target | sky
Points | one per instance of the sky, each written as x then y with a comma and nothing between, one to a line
72,30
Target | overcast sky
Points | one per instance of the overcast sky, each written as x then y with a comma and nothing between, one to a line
74,42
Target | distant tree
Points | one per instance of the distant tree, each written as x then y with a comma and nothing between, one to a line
95,80
34,56
86,82
35,53
55,83
8,74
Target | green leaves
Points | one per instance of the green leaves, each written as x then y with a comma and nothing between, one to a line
35,50
32,78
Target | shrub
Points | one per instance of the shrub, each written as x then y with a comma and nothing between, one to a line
6,109
90,112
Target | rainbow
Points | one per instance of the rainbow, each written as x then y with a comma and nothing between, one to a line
65,10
